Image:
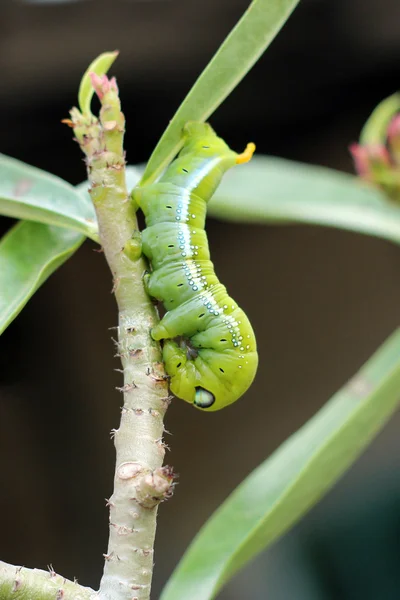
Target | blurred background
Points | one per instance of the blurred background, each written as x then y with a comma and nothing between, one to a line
320,300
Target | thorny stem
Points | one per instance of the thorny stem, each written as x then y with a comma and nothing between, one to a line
20,583
140,482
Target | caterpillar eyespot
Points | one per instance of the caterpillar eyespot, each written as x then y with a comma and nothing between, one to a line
204,352
203,398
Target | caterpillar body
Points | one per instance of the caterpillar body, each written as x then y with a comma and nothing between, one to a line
209,346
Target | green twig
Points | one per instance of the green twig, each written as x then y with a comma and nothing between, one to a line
140,482
20,583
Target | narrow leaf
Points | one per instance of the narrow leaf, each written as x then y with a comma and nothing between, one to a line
296,476
100,66
375,129
238,53
29,253
32,194
274,190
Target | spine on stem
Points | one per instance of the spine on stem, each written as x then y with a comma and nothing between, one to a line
140,481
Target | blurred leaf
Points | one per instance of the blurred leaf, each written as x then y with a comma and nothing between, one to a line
133,175
274,190
375,129
294,478
271,190
238,53
100,66
29,253
29,193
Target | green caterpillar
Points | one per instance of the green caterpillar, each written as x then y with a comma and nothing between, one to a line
209,345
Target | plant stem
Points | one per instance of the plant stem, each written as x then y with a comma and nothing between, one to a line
20,583
140,482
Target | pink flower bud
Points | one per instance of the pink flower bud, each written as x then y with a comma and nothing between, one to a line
393,136
361,159
370,160
102,84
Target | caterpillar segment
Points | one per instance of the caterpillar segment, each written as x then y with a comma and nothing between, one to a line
209,346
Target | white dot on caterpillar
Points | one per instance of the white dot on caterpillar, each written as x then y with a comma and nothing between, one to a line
193,216
241,347
247,347
240,366
248,337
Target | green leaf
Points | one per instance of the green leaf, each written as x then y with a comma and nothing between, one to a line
274,190
297,475
238,53
375,129
100,66
32,194
133,175
29,253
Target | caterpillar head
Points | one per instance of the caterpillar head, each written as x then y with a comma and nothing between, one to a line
202,382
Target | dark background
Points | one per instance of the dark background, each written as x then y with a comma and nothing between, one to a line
320,300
